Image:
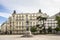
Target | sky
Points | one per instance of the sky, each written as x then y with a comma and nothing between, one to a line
50,7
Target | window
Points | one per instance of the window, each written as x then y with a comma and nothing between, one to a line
31,23
34,23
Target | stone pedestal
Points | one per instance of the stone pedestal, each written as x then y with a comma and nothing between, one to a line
27,34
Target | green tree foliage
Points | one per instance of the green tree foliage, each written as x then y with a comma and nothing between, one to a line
58,23
42,19
33,29
38,26
58,20
57,29
49,29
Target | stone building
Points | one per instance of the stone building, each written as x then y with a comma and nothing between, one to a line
16,24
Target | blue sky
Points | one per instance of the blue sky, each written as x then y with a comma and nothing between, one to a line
3,14
3,9
50,7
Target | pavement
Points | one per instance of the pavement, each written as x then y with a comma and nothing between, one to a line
35,37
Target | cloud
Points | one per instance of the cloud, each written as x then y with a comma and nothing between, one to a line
4,9
2,19
6,15
0,24
51,7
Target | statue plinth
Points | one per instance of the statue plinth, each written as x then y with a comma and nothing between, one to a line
27,34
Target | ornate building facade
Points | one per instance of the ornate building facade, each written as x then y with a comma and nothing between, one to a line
16,24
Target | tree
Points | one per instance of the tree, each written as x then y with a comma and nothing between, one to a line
58,21
33,29
42,19
49,29
38,26
57,29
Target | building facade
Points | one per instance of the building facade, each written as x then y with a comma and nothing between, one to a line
17,23
51,22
